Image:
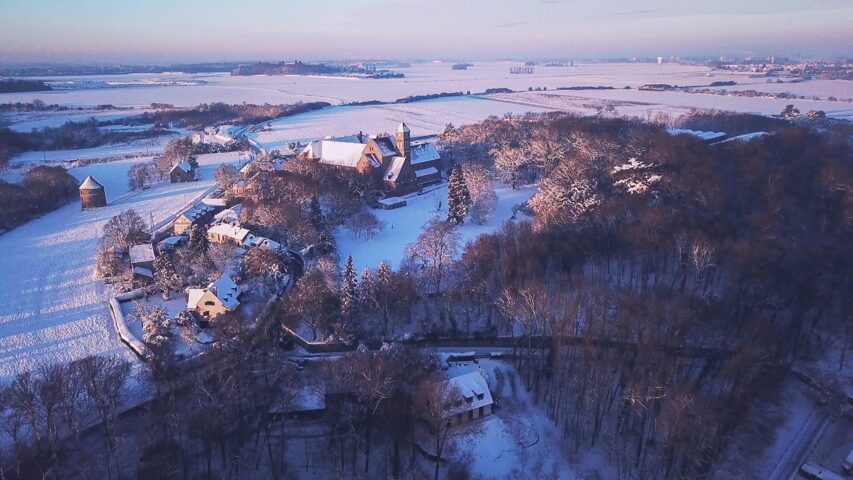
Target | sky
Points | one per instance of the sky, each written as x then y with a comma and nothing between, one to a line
151,31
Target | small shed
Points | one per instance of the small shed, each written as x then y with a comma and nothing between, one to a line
92,194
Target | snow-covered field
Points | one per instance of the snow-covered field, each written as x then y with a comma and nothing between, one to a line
424,118
403,225
52,308
645,104
420,79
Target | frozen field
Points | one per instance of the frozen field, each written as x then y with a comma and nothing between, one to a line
52,308
403,225
420,78
643,104
424,118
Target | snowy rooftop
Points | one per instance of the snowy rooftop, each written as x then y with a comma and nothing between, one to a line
424,152
426,171
231,231
394,168
473,389
90,184
183,165
142,253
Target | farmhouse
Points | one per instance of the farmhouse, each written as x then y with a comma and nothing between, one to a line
395,161
198,214
469,398
227,233
183,171
216,299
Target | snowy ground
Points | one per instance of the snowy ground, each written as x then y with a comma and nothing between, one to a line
52,308
403,225
424,118
645,104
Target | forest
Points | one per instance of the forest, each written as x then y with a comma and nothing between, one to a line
651,287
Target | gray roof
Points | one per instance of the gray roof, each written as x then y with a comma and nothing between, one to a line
90,184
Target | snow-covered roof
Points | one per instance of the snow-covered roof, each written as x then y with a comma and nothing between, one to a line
142,253
171,242
337,153
425,172
394,168
403,128
474,390
696,133
184,166
424,152
387,146
262,242
90,184
227,291
145,272
229,215
196,211
231,231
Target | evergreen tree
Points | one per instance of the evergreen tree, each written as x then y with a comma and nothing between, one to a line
349,289
458,196
317,217
198,243
166,275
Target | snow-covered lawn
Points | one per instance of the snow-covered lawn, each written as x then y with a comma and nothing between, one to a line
52,308
403,225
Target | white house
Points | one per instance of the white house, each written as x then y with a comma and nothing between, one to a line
217,298
468,398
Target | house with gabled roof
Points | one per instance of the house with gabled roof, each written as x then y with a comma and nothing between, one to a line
468,398
182,171
219,297
398,163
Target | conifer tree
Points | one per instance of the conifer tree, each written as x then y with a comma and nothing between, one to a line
349,289
198,243
458,196
166,275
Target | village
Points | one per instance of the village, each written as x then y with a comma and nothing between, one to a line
180,286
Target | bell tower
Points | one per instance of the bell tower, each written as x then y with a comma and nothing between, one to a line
404,140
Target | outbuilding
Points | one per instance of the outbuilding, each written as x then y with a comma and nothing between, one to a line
92,194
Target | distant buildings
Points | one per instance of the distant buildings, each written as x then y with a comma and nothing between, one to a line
92,194
398,163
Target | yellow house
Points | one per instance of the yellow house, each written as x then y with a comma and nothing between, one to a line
217,298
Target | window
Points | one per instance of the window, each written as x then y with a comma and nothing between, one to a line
470,414
209,303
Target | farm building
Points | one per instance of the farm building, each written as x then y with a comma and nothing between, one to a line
217,298
227,233
183,171
399,164
471,398
92,194
142,261
198,214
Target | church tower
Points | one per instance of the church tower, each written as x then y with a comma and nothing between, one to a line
404,140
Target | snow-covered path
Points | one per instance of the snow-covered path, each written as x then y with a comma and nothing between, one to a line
52,308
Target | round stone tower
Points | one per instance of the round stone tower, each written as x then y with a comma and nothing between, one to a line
92,194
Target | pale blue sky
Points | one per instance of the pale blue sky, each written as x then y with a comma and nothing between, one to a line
112,31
